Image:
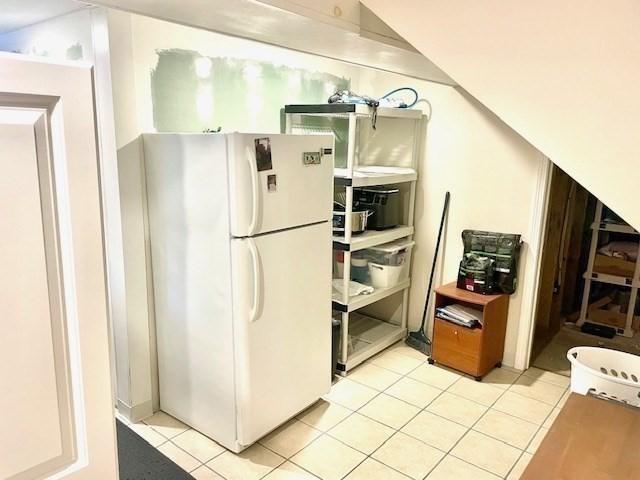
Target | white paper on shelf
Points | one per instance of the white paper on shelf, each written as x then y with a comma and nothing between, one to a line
460,314
355,288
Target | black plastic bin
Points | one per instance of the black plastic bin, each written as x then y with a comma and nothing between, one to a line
335,345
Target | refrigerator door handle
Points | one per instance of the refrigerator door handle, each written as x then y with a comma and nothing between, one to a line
257,279
253,171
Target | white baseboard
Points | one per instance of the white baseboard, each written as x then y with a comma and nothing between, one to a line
135,413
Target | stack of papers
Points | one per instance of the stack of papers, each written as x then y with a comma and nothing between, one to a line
460,315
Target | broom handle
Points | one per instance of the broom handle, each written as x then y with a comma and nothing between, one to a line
435,260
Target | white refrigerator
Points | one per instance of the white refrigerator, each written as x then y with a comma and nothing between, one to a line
240,235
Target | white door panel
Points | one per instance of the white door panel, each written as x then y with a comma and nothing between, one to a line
32,346
300,193
282,320
56,403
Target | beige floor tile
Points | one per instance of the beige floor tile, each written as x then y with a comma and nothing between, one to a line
518,469
523,407
509,429
551,418
538,390
396,362
179,457
165,424
486,453
452,468
435,376
564,399
324,415
537,440
408,455
205,473
253,463
403,349
197,445
148,433
328,458
290,438
371,469
435,431
413,392
389,410
500,378
361,433
290,471
549,377
478,392
350,394
457,409
373,376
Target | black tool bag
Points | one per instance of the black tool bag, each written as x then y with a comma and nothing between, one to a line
476,273
503,248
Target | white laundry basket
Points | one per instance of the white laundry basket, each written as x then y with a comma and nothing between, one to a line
606,373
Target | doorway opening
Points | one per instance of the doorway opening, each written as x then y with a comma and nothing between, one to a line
587,293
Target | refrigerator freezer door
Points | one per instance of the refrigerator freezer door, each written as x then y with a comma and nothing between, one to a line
279,181
282,325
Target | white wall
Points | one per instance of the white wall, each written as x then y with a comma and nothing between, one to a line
492,173
564,75
67,37
150,36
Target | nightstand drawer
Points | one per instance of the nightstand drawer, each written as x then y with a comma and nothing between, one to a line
457,346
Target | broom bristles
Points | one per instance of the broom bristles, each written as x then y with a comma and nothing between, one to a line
419,341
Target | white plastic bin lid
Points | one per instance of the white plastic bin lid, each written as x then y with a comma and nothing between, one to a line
393,247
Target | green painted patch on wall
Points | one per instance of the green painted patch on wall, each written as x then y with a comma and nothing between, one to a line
75,52
192,93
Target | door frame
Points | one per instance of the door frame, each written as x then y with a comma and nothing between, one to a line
531,278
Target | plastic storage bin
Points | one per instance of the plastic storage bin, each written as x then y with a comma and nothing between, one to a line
335,345
389,263
606,373
359,268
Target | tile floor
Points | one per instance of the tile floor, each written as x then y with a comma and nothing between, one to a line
554,356
394,418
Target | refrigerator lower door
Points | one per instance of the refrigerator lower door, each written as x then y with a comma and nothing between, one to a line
279,181
282,325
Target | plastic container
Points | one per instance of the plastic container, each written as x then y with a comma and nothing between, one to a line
389,263
359,269
339,256
607,373
386,276
335,345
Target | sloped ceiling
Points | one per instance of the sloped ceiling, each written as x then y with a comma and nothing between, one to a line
565,75
15,14
264,22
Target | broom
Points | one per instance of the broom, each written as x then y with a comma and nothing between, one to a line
418,339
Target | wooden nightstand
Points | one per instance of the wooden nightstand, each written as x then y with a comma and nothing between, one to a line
475,351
